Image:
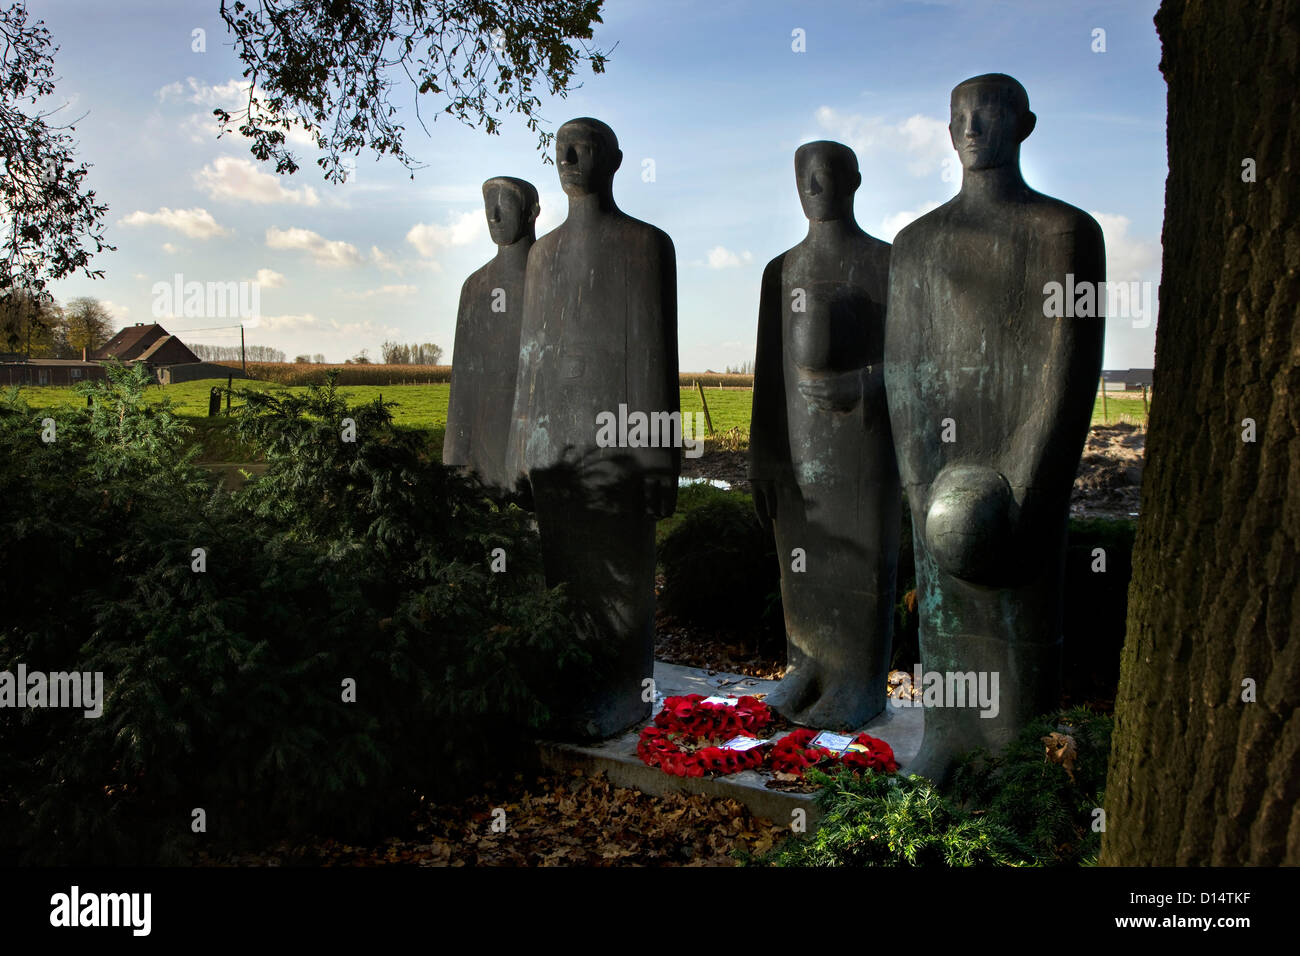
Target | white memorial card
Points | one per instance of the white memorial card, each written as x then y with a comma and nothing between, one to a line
837,743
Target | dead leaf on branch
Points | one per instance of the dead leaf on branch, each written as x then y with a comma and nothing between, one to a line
1061,748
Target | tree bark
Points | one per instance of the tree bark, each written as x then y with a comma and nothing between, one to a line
1197,774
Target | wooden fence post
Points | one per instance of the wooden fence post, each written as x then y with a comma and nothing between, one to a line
1146,409
1103,400
708,420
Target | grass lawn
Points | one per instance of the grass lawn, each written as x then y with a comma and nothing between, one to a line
1125,407
424,407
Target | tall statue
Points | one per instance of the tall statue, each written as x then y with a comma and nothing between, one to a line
599,342
485,360
991,401
822,459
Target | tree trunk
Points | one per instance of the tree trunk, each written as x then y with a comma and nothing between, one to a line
1197,774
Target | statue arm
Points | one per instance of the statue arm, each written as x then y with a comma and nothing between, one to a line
769,441
1051,440
456,440
516,464
915,428
652,372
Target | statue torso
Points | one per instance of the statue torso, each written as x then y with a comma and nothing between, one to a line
967,339
594,304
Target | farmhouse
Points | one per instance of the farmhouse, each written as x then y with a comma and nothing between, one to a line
162,353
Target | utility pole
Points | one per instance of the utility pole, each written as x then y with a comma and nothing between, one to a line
243,361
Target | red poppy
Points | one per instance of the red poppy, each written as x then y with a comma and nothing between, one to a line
686,722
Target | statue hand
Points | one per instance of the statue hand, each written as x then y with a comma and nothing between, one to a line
660,495
834,391
764,501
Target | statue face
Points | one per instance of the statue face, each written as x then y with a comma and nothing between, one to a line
985,127
581,156
825,187
507,219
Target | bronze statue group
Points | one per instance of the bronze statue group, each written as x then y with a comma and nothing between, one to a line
926,368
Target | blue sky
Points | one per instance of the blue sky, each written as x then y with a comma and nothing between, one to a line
712,92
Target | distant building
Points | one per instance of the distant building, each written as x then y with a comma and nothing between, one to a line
151,344
49,372
1127,378
166,356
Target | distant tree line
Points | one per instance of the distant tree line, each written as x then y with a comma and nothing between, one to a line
316,359
425,353
39,327
231,353
744,368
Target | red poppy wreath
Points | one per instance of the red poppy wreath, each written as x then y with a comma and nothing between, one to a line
687,736
793,755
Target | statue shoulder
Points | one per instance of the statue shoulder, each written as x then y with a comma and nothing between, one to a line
649,235
545,243
475,280
770,284
1059,216
877,250
920,231
543,250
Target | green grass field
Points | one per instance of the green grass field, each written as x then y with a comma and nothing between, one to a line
424,407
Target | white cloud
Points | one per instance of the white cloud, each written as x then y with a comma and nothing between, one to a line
922,139
195,223
269,278
1127,258
199,93
232,96
384,261
240,180
892,224
281,322
429,239
386,290
720,257
203,128
333,253
555,209
170,248
367,328
118,312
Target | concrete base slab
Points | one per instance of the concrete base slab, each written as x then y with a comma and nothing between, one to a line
901,728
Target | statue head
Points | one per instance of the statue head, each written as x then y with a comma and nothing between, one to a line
512,209
827,176
587,156
990,119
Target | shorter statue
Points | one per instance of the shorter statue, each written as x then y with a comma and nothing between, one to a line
991,401
822,457
485,360
599,341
